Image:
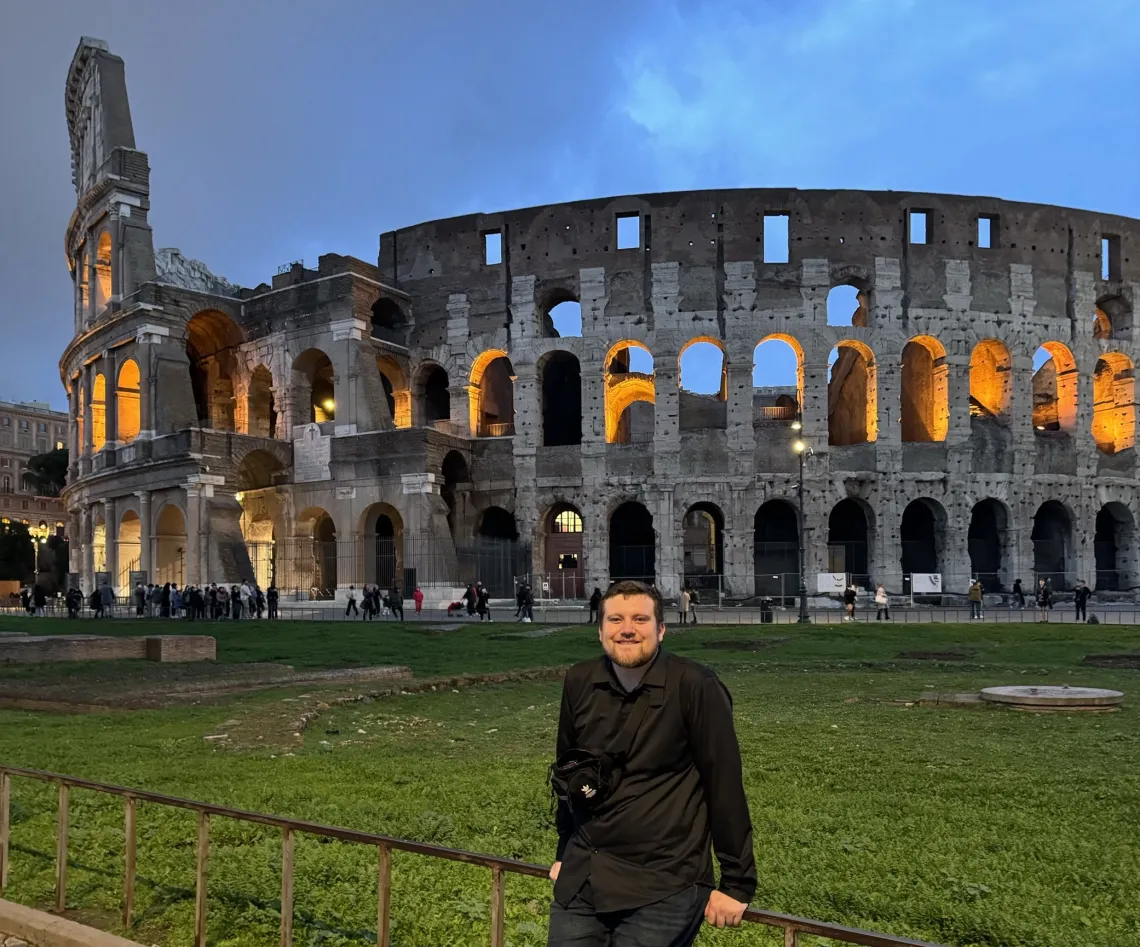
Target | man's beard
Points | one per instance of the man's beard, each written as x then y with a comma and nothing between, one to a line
641,659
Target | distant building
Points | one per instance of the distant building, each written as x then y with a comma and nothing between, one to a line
28,428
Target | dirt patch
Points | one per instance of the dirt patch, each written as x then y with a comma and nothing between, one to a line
935,655
743,644
1130,662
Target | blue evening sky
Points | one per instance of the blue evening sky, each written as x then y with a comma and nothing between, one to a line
281,130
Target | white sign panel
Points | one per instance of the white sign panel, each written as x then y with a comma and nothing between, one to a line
925,583
311,452
831,583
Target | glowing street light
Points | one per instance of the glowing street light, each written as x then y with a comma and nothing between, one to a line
802,450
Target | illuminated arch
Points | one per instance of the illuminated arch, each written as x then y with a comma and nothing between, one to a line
852,395
722,391
313,369
793,343
212,340
991,379
127,402
491,395
624,388
1102,325
396,390
1114,403
1055,390
103,282
98,412
925,408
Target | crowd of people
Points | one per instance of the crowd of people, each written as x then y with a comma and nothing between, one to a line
191,602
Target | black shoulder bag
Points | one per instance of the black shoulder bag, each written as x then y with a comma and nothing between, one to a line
583,780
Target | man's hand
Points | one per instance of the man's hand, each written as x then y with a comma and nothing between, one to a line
723,911
554,869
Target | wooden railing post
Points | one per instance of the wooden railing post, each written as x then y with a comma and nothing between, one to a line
129,862
384,897
5,822
790,938
200,880
497,907
61,851
287,888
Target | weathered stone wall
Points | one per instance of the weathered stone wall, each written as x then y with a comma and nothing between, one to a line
37,649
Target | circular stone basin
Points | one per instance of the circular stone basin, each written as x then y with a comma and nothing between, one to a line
1050,697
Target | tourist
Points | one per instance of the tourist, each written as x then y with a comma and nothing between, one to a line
683,605
271,600
1043,601
140,601
351,608
368,602
882,603
635,853
396,602
483,602
595,601
527,603
975,597
1081,600
1018,594
258,600
849,596
235,602
694,600
470,597
95,600
39,600
107,594
418,598
175,601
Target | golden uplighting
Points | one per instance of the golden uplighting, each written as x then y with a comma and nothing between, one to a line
799,447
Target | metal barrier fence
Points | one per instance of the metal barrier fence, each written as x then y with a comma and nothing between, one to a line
791,926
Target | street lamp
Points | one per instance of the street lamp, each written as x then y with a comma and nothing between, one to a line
802,450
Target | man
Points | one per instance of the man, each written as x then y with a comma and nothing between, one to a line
975,597
1081,597
637,867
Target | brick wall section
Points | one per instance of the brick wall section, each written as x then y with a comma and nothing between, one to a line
35,649
175,648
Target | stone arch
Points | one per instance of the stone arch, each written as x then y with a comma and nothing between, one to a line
702,546
560,388
1112,318
1055,390
775,549
925,409
382,529
771,402
317,559
990,543
852,395
261,406
850,535
1114,548
396,390
561,314
1114,403
1052,539
212,341
104,284
922,537
314,383
561,534
626,389
127,402
98,412
170,545
991,379
455,489
696,343
633,542
128,548
492,395
849,304
433,394
497,523
257,470
388,320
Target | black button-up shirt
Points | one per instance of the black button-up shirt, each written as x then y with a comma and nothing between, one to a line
681,793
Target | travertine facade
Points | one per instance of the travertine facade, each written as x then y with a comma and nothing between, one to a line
355,412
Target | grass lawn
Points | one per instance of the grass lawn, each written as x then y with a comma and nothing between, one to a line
958,826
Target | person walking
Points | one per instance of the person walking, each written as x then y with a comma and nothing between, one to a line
418,598
849,596
595,601
633,863
683,605
975,597
1043,601
1018,593
351,608
483,602
396,602
1081,599
882,603
471,597
271,597
108,596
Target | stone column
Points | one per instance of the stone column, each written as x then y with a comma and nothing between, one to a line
593,405
111,401
146,532
195,574
463,396
814,408
73,446
669,554
87,533
1087,452
739,434
595,543
737,542
111,532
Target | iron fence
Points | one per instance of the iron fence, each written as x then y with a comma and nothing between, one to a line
290,829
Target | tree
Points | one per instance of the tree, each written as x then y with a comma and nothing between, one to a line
47,473
17,553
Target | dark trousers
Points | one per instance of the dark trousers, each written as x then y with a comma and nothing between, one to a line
351,609
672,922
1082,611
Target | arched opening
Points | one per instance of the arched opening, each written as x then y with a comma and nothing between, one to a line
129,551
212,339
103,283
261,413
388,320
1102,325
82,288
922,536
1054,389
1052,544
314,382
99,543
561,400
775,550
498,557
170,546
565,570
702,543
383,530
127,402
497,523
848,541
1114,403
991,379
632,544
1112,319
260,508
1113,546
435,393
852,409
317,530
396,392
847,306
986,539
777,379
565,320
702,368
630,394
925,392
456,483
492,395
98,412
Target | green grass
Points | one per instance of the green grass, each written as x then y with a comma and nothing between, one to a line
961,827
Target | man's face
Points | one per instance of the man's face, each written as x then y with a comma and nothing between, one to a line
629,631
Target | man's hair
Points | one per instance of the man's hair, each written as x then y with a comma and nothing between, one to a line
626,587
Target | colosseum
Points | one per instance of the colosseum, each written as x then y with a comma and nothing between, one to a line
500,395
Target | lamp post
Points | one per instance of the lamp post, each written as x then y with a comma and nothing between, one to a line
802,450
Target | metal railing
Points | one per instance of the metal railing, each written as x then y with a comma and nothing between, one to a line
791,925
776,412
496,429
